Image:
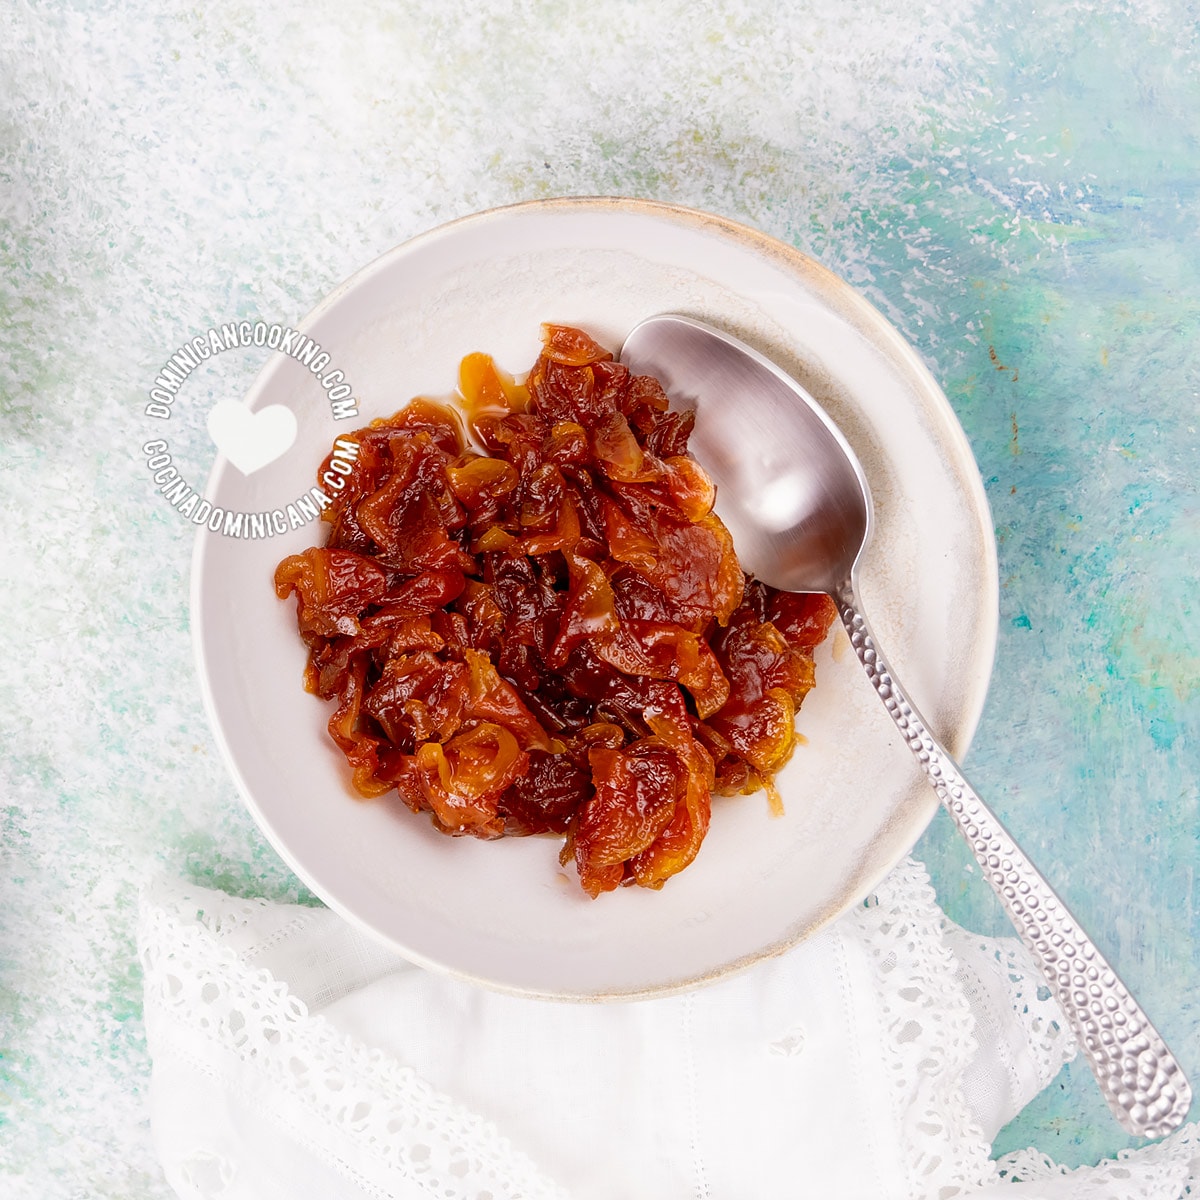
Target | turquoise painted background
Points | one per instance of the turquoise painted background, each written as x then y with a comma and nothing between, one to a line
1018,192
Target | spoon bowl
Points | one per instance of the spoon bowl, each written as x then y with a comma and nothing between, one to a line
789,488
797,504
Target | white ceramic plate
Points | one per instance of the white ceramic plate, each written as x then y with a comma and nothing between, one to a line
504,913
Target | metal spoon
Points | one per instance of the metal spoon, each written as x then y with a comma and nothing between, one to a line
797,504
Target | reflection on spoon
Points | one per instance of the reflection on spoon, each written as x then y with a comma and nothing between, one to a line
797,503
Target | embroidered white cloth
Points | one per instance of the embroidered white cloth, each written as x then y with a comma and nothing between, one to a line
292,1057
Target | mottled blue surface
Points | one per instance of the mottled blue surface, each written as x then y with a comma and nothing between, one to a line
1018,192
1081,399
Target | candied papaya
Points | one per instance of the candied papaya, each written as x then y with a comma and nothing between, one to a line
529,620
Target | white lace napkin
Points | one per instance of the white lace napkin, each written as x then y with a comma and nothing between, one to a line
294,1058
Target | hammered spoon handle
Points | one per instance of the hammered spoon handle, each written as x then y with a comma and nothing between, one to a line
1139,1077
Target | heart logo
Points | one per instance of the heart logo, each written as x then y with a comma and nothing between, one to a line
251,440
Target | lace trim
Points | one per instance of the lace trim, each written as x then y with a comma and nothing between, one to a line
1047,1034
1049,1038
1166,1170
196,983
931,1034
